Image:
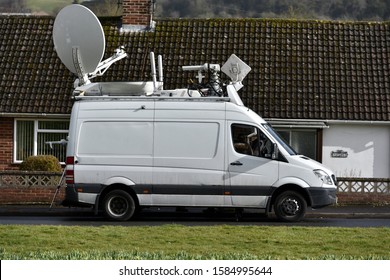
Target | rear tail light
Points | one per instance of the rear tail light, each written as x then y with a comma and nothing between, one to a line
70,160
69,173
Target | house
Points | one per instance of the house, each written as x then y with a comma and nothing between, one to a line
324,85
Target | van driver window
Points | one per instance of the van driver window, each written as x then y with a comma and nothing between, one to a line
249,140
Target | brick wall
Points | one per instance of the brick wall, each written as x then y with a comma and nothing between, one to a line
363,198
22,187
136,12
30,195
6,143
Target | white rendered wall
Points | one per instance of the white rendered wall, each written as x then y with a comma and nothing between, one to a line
368,148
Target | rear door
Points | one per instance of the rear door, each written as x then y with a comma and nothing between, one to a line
251,170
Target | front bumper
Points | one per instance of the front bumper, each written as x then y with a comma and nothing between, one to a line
321,197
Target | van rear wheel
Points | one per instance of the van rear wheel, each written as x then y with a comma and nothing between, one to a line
119,205
290,206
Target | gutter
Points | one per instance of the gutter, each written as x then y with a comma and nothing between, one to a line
318,123
358,122
296,123
34,115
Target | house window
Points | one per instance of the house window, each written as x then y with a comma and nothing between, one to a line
303,141
32,137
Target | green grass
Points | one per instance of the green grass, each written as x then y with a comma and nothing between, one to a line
183,242
48,6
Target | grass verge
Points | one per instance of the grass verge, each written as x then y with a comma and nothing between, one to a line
47,6
183,242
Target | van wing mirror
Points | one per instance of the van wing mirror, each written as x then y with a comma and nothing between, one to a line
275,151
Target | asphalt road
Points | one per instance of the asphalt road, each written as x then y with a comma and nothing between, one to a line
351,216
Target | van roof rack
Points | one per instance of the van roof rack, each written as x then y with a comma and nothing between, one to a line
153,98
203,88
138,89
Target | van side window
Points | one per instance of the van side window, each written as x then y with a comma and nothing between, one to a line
249,140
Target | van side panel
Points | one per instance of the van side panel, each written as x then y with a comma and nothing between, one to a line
116,139
114,144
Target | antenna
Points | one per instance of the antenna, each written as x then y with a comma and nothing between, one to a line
158,86
80,43
153,66
236,70
214,83
160,69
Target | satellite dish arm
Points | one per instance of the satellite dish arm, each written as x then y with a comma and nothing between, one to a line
105,64
78,65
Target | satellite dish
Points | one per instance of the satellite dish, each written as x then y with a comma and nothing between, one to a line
236,69
79,39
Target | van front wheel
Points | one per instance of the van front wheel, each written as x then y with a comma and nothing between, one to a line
290,206
119,205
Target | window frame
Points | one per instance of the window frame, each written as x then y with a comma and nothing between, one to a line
257,132
36,131
318,138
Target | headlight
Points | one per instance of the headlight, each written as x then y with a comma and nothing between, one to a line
323,176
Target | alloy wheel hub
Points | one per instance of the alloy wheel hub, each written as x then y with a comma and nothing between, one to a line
290,206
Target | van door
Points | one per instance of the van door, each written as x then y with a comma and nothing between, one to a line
251,170
189,154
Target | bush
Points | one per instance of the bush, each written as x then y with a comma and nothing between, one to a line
41,163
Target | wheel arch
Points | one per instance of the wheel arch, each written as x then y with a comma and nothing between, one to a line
290,187
113,187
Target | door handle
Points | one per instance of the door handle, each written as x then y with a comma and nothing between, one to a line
236,163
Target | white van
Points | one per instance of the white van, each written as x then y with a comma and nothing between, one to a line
131,147
135,144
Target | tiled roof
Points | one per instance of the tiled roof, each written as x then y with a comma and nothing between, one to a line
300,69
32,79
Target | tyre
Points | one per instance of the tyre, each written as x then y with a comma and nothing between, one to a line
119,205
290,206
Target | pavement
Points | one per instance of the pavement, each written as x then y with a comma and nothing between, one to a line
339,211
352,211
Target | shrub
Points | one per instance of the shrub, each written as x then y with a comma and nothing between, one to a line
41,163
